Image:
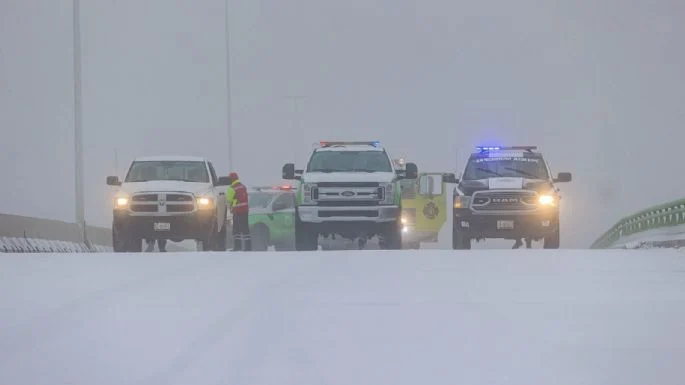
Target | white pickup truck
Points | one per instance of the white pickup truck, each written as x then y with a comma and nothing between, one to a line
170,197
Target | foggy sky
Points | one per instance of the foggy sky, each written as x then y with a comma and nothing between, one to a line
599,86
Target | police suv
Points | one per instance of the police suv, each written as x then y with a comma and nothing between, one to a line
350,189
272,217
170,197
506,193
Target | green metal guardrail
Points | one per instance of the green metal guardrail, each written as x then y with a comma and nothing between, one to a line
662,216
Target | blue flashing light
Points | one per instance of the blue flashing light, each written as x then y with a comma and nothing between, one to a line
488,148
376,143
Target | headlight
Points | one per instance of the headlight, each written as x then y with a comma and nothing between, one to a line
404,220
547,200
461,202
121,202
388,193
309,193
205,202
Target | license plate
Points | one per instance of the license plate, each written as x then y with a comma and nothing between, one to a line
505,225
162,226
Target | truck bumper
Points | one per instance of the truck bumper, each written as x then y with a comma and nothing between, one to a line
507,226
368,214
197,225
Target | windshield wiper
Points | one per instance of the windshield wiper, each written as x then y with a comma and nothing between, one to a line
328,170
526,173
362,170
489,171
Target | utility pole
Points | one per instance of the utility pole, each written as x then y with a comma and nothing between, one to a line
298,135
229,123
78,116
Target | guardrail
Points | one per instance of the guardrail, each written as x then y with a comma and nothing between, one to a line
662,225
20,234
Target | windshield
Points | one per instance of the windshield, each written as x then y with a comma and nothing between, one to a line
349,161
260,199
483,168
168,170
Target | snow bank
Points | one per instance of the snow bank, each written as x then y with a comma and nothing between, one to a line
372,317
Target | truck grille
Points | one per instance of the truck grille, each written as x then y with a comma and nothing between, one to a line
349,194
162,203
504,200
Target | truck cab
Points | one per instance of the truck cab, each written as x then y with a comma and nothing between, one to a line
348,189
506,193
170,197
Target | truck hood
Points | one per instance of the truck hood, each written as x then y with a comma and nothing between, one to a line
318,177
165,186
470,186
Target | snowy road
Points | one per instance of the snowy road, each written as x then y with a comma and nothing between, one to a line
522,317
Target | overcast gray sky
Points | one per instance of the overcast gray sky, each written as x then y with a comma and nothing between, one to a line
598,85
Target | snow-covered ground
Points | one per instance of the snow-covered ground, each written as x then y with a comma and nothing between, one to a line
522,317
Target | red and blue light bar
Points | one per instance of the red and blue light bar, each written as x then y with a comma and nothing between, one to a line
326,143
497,148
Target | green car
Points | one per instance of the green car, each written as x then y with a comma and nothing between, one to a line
272,218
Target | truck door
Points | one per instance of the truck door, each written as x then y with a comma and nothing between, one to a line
432,211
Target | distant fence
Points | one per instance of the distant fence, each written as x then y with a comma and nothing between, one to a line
657,226
20,234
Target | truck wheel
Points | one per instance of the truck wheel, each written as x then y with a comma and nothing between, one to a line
221,238
306,236
208,243
260,238
391,238
460,241
552,241
118,244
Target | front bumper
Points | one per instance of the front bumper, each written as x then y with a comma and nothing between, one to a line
370,214
197,225
506,226
411,234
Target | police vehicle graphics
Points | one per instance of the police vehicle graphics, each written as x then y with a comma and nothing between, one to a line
506,193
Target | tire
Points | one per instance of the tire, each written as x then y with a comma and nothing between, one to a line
221,238
391,238
552,241
306,236
460,241
209,243
260,237
123,243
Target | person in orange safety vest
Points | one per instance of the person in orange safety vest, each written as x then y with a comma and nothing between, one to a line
237,201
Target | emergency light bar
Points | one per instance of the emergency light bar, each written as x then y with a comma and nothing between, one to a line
497,148
375,143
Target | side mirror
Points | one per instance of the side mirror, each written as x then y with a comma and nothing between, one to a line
113,181
411,171
223,181
449,178
289,171
563,177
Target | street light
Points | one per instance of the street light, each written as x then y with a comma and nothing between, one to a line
78,129
229,127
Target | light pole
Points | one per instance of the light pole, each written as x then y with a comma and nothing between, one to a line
78,129
229,127
297,134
